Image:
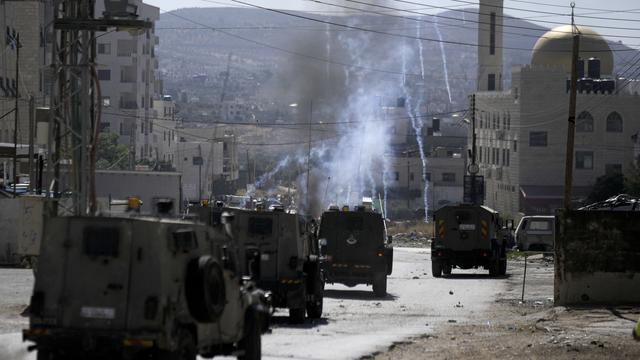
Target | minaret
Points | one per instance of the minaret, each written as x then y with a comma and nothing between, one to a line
490,17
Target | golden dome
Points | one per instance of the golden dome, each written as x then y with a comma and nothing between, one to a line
553,49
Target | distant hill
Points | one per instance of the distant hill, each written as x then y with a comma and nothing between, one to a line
295,48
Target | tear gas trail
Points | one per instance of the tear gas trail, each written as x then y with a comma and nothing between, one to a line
444,58
420,49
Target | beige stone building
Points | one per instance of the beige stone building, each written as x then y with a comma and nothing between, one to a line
522,131
129,84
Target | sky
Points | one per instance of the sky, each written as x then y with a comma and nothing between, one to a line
610,10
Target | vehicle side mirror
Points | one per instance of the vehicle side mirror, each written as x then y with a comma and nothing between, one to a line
389,239
323,246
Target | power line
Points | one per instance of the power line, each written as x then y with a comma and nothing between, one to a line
402,35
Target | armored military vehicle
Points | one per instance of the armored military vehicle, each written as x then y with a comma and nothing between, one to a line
356,248
142,287
281,254
468,236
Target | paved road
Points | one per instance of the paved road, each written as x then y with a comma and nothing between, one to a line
355,323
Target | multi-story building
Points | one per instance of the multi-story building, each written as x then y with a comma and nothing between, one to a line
164,137
127,67
26,24
522,132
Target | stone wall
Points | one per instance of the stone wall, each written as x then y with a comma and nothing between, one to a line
597,257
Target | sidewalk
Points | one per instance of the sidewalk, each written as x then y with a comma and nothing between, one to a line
532,329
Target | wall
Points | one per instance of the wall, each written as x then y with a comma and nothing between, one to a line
20,228
597,258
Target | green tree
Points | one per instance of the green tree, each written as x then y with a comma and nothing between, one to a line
111,155
606,186
632,181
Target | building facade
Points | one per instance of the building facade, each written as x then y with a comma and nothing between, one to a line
522,132
129,85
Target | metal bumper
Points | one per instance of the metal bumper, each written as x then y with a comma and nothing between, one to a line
475,257
285,293
94,341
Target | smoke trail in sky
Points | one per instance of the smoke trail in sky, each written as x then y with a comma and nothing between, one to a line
421,49
444,58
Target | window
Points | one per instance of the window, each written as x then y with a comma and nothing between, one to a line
492,34
448,177
540,225
515,145
428,176
260,226
538,138
613,168
585,122
614,122
491,86
104,75
411,176
584,160
397,176
104,48
101,241
480,153
106,101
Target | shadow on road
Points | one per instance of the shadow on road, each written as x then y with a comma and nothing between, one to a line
283,321
476,276
357,295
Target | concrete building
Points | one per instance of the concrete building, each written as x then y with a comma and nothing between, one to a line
522,131
164,139
208,159
30,21
127,67
445,176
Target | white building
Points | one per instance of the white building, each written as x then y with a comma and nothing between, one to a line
127,72
522,131
164,138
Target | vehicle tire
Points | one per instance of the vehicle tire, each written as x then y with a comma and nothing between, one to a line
436,268
296,316
251,343
205,289
446,269
187,348
502,267
314,307
389,258
494,266
380,285
45,354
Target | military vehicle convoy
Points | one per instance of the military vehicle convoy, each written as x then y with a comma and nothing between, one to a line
281,254
142,287
468,236
356,248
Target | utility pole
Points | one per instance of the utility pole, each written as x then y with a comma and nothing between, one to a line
309,156
474,199
72,119
571,124
16,112
32,170
408,181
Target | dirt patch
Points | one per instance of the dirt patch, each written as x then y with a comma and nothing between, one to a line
531,329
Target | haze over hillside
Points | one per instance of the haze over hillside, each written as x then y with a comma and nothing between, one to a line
277,57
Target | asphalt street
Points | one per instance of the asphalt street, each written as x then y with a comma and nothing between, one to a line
355,323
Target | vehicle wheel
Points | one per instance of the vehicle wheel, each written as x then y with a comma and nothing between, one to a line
446,269
205,289
44,354
251,343
389,258
314,307
380,285
296,316
502,267
494,267
187,349
436,268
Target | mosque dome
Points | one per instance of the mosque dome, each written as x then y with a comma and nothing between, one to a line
553,49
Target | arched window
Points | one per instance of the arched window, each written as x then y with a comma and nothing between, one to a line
585,122
614,122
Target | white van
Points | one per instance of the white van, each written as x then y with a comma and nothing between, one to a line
536,233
